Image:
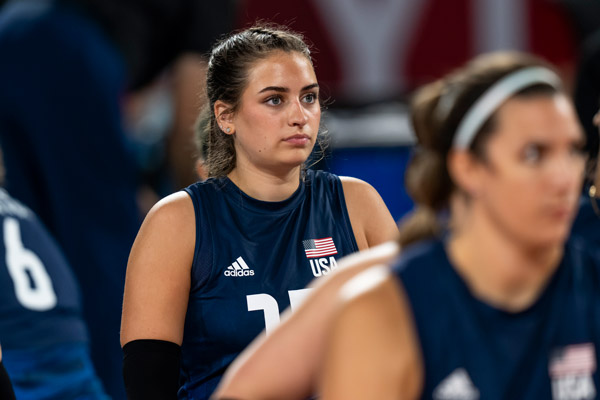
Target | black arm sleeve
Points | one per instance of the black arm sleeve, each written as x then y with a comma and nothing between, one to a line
151,369
6,390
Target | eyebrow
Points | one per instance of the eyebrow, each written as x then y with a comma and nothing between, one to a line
285,90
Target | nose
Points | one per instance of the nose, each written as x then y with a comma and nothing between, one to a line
297,116
567,174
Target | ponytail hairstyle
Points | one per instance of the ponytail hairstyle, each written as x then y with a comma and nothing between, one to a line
226,79
458,112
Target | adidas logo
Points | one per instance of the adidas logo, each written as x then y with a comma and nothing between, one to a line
456,386
239,268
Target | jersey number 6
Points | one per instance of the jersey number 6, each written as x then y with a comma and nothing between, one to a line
33,286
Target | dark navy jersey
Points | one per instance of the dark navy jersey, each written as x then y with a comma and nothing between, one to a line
39,297
252,260
587,223
472,350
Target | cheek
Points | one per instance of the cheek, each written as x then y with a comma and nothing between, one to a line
254,118
316,116
527,208
514,197
525,191
263,144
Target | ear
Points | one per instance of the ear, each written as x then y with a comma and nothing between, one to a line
224,117
466,172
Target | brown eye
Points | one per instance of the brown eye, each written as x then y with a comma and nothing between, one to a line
532,153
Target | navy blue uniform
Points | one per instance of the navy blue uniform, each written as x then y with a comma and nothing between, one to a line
44,340
587,223
67,156
474,351
252,260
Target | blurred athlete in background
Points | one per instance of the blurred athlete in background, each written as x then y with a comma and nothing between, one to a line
503,306
44,338
71,72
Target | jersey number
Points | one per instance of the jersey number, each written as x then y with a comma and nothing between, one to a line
268,304
33,286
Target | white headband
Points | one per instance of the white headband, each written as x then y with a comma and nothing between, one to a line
495,96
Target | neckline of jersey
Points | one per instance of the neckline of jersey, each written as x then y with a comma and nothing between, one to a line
490,308
261,206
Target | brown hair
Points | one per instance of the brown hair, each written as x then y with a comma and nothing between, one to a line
230,61
436,111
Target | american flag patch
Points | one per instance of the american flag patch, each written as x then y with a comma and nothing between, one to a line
319,247
576,359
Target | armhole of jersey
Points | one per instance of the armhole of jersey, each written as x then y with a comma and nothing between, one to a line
346,217
201,270
401,286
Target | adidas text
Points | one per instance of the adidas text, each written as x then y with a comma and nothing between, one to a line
239,273
239,268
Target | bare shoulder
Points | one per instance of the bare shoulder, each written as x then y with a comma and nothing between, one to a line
373,347
176,208
158,272
371,220
169,225
356,187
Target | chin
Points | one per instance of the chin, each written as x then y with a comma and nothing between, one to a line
552,238
295,161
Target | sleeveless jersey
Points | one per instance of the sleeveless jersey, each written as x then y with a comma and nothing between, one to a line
472,350
252,260
39,297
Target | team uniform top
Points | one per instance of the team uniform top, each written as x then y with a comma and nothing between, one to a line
39,297
252,259
587,223
472,350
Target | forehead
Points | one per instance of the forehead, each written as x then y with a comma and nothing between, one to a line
283,69
544,118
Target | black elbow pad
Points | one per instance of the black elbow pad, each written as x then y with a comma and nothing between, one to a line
151,369
6,390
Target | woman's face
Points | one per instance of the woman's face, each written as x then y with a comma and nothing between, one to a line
277,122
531,181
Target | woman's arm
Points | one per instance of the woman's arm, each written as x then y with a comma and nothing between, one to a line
372,350
285,364
157,283
372,222
157,287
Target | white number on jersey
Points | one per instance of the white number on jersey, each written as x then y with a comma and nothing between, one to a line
33,286
270,308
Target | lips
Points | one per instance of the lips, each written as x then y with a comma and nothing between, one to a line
298,139
562,211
